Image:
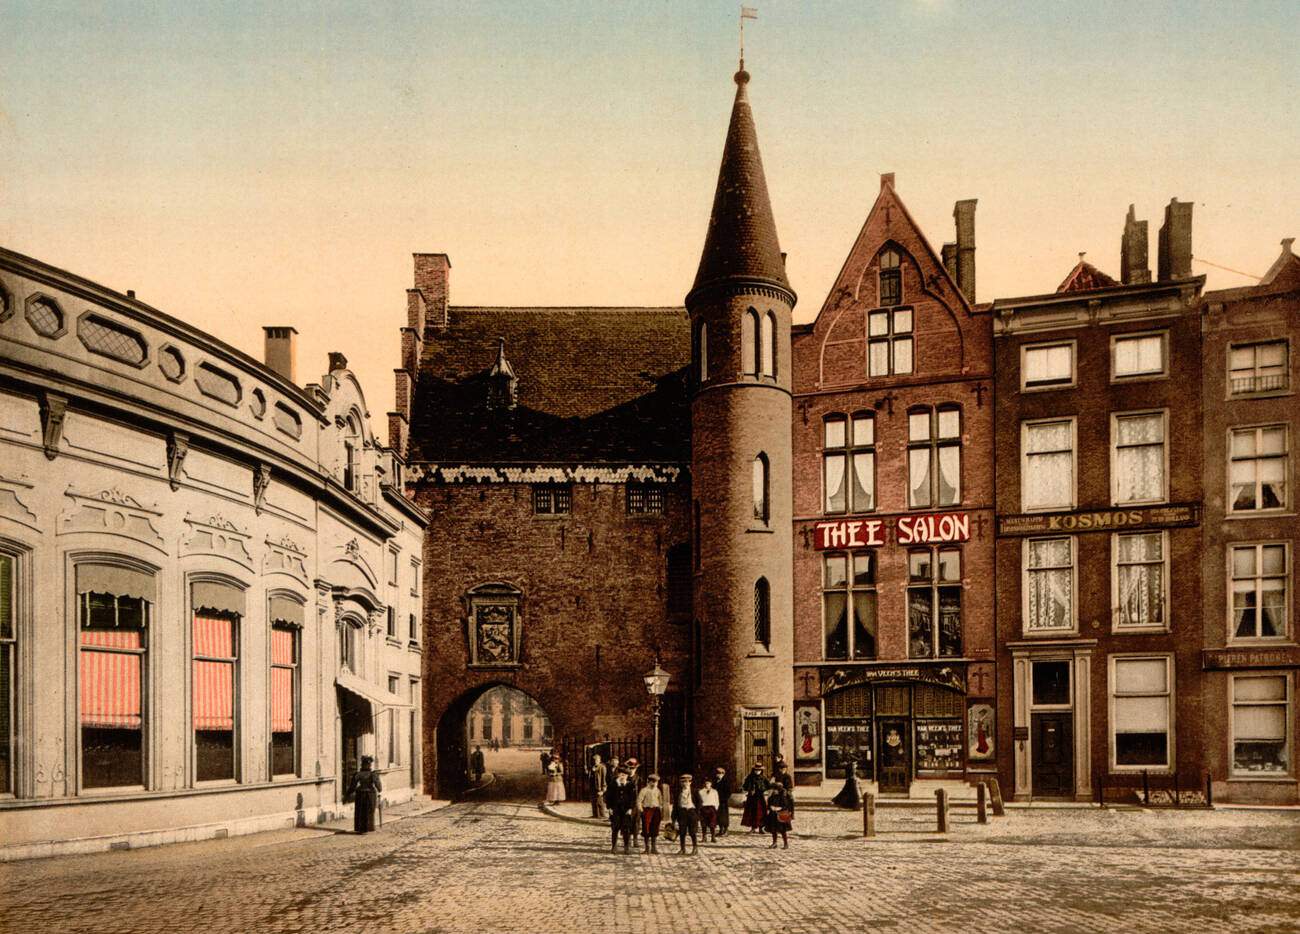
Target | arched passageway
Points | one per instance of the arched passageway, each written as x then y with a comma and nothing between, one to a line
510,728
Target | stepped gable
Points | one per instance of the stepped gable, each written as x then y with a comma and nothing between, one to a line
593,385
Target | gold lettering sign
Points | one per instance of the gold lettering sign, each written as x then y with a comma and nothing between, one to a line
1101,520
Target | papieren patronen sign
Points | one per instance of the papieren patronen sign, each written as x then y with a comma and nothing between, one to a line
1100,520
929,529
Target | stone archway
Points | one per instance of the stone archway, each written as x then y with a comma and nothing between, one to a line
495,711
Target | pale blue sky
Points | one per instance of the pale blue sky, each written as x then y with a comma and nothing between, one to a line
242,164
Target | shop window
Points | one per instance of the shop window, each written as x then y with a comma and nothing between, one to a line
1139,458
1047,366
645,499
1050,684
849,463
760,484
1258,367
8,678
849,605
114,607
763,613
552,499
1049,585
1047,466
938,713
1141,578
285,649
1138,355
1140,712
934,603
749,343
1258,465
1260,580
889,342
891,279
767,345
1260,714
933,457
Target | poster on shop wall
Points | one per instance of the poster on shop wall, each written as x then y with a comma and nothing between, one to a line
808,733
979,733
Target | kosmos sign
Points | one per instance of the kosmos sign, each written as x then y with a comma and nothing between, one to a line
908,530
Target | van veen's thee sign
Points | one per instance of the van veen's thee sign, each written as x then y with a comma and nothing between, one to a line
927,529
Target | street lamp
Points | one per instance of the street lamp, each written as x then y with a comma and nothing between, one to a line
656,682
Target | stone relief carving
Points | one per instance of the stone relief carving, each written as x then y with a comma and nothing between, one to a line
11,506
178,445
285,556
217,535
112,512
53,408
261,482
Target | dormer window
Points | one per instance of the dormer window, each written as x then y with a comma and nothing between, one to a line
891,279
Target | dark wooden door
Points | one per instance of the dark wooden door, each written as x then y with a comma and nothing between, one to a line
894,756
760,743
1053,755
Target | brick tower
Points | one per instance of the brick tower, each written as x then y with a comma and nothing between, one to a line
740,310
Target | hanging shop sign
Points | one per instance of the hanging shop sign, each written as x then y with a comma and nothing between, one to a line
1101,520
928,529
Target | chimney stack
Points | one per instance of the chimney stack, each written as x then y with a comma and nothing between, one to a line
949,255
963,213
279,353
1134,256
1174,257
433,280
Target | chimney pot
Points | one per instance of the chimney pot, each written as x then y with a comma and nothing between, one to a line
1134,256
963,213
1174,252
280,350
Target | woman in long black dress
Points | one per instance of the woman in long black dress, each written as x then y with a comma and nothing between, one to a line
755,788
849,796
780,814
365,789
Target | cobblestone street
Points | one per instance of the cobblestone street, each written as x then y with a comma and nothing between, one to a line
501,865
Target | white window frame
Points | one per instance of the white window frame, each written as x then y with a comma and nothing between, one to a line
1114,457
1287,775
1284,389
1288,583
1074,462
1026,630
1026,386
1170,694
1115,609
1286,471
1162,373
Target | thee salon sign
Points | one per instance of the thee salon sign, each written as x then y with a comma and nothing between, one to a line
931,529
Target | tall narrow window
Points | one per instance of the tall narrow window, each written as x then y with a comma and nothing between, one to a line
763,613
217,611
1258,468
1047,465
1259,585
702,347
934,457
760,472
8,682
749,343
285,628
849,463
1140,712
114,610
891,279
349,632
1140,576
767,345
1139,474
889,336
849,605
680,581
934,603
1260,714
1049,584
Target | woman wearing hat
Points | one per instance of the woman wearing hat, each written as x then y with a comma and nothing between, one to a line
755,789
555,781
365,789
780,813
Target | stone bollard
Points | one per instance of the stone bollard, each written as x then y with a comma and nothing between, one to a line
868,815
995,795
941,806
981,804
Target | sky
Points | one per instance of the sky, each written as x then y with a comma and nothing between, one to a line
244,164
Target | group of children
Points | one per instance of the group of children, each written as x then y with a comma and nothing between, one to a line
639,809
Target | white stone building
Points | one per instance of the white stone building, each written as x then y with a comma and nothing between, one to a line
209,580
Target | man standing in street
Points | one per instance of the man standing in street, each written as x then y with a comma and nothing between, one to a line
598,783
620,798
686,812
722,782
477,765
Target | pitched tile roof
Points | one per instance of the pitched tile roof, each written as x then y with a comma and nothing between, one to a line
1085,276
741,242
594,384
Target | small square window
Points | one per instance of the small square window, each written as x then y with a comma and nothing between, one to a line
1051,683
1138,355
552,500
1046,366
1260,367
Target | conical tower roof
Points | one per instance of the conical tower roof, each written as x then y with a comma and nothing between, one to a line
741,242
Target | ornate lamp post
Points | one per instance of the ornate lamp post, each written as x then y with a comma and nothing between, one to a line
656,682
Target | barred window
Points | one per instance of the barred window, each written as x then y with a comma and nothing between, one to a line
645,498
551,499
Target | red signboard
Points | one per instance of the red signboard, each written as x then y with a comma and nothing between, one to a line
929,529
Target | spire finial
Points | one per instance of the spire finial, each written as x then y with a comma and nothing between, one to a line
746,12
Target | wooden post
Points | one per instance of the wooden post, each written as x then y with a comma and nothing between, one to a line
1146,789
995,796
941,807
981,807
1209,790
868,815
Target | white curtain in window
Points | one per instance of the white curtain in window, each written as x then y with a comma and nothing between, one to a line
1049,584
1049,466
835,483
1140,580
1140,458
1047,364
1138,355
